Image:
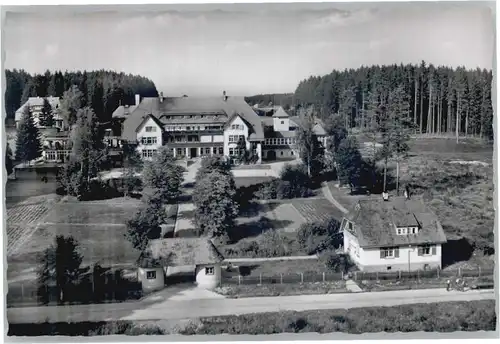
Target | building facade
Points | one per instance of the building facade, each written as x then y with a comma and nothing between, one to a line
35,105
213,126
391,235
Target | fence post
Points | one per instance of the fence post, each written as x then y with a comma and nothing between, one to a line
323,276
355,275
437,272
459,272
301,277
479,275
281,278
418,275
342,275
260,279
239,279
399,277
22,291
377,275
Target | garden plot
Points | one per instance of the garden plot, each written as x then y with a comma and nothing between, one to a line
98,226
317,210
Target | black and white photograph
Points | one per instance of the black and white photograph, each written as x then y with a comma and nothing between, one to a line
249,169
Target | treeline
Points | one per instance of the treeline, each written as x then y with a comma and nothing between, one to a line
102,90
443,99
283,99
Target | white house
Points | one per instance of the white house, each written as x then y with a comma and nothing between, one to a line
396,234
149,136
35,105
199,255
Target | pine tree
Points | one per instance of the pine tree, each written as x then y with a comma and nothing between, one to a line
28,145
46,118
28,91
71,102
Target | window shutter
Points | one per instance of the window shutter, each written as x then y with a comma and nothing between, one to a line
396,252
434,250
420,251
382,253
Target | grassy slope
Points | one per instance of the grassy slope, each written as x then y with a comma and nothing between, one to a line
440,317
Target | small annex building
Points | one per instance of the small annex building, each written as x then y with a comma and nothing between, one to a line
198,255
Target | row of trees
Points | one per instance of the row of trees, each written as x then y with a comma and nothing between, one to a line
442,99
388,127
101,90
161,178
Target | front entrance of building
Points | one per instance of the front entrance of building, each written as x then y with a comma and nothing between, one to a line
194,152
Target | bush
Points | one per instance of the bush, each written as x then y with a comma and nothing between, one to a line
319,236
338,262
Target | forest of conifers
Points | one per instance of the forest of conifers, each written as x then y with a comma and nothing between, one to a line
103,90
437,96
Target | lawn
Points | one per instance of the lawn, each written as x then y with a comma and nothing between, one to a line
264,225
248,181
277,267
98,226
241,291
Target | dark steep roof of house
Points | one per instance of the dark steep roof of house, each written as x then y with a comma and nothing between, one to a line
180,252
375,222
146,118
318,127
192,105
281,113
123,111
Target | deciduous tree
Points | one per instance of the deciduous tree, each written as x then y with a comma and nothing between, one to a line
310,149
216,207
162,176
71,102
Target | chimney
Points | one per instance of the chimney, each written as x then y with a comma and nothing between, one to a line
137,99
224,96
385,196
161,97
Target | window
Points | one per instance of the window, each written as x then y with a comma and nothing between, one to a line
231,138
389,268
51,155
387,253
221,150
241,138
150,129
291,153
149,140
282,122
207,150
151,274
148,153
179,151
209,270
281,152
231,151
425,250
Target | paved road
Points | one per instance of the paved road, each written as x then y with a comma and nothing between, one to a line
185,309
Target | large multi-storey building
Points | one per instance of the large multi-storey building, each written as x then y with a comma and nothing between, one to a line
194,127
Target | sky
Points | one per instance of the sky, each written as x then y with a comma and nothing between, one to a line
246,49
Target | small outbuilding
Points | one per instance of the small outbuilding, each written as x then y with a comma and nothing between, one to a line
198,254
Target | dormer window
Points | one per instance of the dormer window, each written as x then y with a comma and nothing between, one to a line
406,230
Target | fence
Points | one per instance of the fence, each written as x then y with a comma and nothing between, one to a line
357,276
108,288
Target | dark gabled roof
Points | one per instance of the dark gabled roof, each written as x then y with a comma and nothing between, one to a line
375,222
180,252
123,111
318,125
145,119
281,113
192,105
